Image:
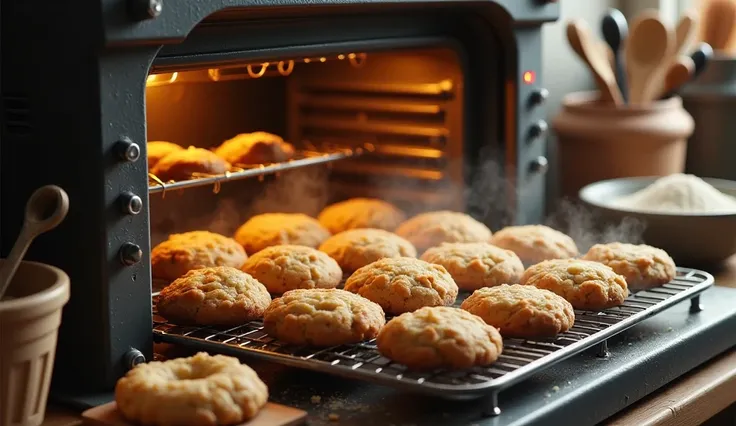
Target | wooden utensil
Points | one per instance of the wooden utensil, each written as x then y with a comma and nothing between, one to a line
270,415
719,22
648,50
45,210
685,31
582,42
679,73
615,29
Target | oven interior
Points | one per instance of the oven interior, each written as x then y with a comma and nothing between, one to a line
404,111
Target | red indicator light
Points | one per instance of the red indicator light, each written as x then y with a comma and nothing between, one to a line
529,77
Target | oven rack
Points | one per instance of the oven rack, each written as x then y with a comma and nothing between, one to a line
302,158
519,360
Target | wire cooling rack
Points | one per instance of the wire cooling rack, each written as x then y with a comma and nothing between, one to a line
519,360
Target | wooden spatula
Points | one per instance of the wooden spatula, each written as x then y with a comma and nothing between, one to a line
679,74
719,22
648,51
585,45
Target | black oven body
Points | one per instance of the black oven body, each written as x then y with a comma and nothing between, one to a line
73,88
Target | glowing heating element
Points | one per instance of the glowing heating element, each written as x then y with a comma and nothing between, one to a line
529,77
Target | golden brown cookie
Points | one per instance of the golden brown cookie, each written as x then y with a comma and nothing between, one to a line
156,150
476,265
521,311
361,213
289,267
643,266
585,284
431,229
189,163
356,248
535,243
255,148
322,317
273,229
193,250
434,337
403,284
201,390
213,296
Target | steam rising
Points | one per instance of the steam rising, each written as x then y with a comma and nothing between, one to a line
489,197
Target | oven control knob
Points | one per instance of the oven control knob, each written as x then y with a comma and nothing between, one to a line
130,254
127,150
145,9
538,129
538,97
130,203
539,165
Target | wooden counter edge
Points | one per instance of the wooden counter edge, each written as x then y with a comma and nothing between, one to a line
691,400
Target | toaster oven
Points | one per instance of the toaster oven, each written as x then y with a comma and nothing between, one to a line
426,104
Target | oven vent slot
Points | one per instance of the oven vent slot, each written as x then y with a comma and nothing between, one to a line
16,114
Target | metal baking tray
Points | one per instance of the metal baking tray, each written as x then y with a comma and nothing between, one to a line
520,358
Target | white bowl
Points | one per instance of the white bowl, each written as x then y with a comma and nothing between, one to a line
696,239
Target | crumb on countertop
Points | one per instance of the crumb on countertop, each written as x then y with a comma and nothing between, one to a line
316,399
333,417
555,388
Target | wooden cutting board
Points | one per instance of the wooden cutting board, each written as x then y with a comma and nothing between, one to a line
270,415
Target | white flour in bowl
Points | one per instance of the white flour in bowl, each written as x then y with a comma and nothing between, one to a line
678,193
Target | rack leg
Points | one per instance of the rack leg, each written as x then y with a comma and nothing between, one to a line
603,350
695,305
492,409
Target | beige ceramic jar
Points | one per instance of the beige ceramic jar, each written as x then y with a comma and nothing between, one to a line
598,141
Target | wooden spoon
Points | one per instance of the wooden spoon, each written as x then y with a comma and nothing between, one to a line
582,42
719,21
45,210
648,50
679,73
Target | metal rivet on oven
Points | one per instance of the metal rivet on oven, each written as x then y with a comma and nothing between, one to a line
145,9
130,254
127,150
538,97
133,357
131,203
538,129
539,165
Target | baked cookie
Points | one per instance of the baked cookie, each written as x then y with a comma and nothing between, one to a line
188,163
156,150
535,243
288,267
255,148
403,284
476,265
193,250
440,336
585,284
274,229
643,266
522,311
322,317
356,248
220,295
361,213
431,229
196,391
